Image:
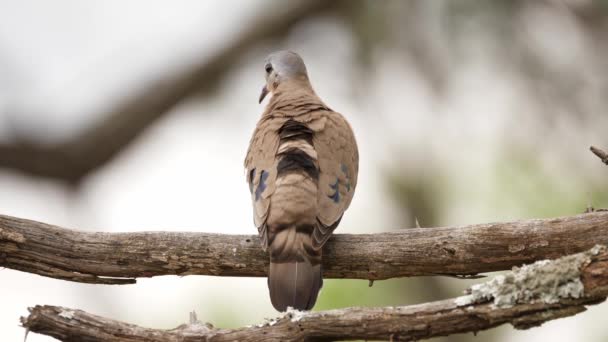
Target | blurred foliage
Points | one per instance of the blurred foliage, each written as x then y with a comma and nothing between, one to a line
343,293
524,183
418,194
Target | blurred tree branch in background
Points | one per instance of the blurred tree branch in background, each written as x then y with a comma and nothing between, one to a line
428,35
530,303
119,258
73,160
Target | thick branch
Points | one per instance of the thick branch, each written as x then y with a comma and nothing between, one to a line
586,281
73,160
119,258
600,154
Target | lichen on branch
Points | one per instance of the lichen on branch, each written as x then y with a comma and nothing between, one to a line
545,281
526,298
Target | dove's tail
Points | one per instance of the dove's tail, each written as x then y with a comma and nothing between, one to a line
294,284
295,278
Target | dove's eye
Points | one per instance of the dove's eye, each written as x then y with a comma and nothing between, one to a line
268,68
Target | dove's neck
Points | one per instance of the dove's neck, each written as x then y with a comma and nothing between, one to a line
290,92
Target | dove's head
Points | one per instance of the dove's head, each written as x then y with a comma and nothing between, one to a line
282,66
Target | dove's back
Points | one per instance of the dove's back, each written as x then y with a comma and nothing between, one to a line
302,168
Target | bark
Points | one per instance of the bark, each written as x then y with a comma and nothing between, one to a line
119,258
389,323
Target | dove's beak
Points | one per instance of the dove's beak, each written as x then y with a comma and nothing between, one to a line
263,94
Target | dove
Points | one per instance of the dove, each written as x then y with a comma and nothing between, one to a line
301,167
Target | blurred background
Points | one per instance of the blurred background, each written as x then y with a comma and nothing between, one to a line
131,116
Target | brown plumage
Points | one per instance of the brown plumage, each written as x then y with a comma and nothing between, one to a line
301,166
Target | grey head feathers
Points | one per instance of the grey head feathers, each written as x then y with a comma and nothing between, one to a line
281,66
285,64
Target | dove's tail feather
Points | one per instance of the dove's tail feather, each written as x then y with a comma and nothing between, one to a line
294,278
294,284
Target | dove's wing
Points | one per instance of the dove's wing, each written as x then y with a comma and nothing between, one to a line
261,170
338,160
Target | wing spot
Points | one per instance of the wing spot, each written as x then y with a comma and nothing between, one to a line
345,171
251,177
336,196
262,186
335,185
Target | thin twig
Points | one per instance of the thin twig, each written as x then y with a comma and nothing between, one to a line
119,258
600,153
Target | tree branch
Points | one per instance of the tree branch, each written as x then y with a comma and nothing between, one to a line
525,298
73,160
119,258
600,154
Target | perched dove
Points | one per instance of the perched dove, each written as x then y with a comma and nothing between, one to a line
301,167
